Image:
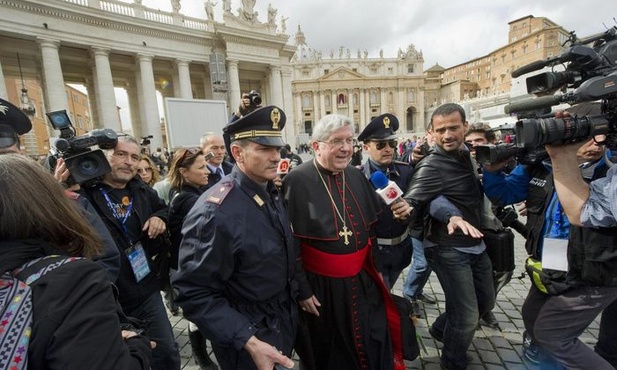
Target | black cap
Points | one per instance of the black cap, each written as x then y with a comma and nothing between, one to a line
262,126
381,128
13,122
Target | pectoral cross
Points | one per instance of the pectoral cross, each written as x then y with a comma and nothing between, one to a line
345,233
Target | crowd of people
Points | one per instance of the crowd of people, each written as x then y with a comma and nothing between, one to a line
263,262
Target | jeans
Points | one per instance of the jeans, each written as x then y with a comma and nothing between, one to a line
165,356
418,273
467,281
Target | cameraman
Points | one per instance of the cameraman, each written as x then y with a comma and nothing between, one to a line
545,219
592,259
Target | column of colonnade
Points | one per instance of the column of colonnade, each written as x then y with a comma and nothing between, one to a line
234,84
55,92
105,94
290,131
3,93
276,87
151,122
184,79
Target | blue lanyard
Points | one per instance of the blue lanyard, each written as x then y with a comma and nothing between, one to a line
114,211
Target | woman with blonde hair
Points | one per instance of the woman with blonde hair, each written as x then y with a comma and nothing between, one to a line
74,323
188,175
148,171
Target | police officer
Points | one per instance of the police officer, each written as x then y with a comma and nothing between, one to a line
13,123
393,250
236,270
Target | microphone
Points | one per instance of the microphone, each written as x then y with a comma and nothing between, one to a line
387,190
533,66
531,104
283,167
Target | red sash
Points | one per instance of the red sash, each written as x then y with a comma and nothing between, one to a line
347,265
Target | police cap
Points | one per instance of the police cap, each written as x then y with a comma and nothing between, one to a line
262,126
381,128
13,122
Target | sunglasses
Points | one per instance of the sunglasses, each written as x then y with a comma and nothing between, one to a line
382,144
190,151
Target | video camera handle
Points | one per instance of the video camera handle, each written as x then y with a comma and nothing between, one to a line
509,218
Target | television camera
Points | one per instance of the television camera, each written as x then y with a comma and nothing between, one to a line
83,163
592,72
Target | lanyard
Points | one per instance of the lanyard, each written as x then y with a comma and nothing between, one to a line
114,211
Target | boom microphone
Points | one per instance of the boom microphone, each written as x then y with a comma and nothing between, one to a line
531,104
387,190
534,66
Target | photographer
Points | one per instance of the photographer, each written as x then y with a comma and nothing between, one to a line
249,102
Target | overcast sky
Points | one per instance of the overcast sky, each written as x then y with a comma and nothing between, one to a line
447,32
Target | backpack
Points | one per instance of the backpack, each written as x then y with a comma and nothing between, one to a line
16,309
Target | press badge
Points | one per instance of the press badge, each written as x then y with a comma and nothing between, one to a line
139,262
555,254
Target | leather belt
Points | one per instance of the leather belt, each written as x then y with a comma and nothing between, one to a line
394,241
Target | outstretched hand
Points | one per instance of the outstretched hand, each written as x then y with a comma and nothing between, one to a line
457,222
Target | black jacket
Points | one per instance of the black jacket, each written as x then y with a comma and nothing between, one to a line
146,203
179,207
451,175
76,325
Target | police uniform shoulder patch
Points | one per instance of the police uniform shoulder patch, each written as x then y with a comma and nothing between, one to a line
219,192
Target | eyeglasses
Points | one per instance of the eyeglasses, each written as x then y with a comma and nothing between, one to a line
145,169
339,143
192,151
382,144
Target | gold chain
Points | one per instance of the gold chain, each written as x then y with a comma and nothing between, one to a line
344,233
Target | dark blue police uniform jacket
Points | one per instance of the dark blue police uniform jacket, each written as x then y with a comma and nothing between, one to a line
236,268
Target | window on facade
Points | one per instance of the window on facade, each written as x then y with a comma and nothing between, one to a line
355,69
341,99
390,70
410,120
305,74
409,68
308,127
373,97
306,101
410,96
326,71
373,70
390,97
